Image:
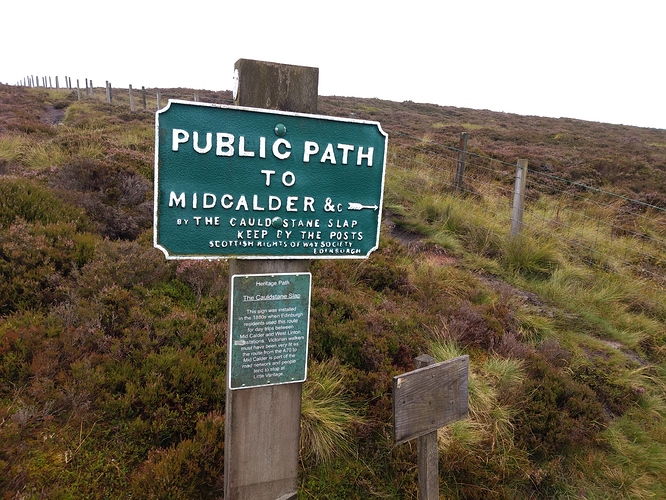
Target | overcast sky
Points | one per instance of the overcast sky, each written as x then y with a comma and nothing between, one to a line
589,59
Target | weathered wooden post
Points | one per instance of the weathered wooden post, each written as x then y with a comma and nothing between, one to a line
262,426
143,96
131,99
240,188
78,90
430,397
518,199
458,181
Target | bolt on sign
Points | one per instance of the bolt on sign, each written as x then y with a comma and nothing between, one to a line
270,324
234,182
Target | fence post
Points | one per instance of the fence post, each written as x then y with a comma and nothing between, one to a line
460,168
57,84
92,91
143,96
78,90
131,98
518,198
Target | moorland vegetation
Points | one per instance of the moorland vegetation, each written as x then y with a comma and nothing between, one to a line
112,359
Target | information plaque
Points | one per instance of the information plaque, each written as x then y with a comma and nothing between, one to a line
270,324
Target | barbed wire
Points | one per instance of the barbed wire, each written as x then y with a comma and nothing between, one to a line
608,229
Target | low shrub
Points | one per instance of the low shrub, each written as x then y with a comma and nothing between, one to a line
31,202
194,468
559,414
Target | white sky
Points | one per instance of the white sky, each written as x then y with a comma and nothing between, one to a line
599,60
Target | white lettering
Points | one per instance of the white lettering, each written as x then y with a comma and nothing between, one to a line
328,155
255,203
225,144
276,149
241,148
242,202
262,147
290,203
366,156
288,179
207,147
227,201
346,148
179,137
274,203
177,201
310,148
209,200
268,174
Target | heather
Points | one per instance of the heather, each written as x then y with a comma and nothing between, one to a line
113,360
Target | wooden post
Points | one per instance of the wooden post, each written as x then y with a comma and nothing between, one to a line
460,168
428,452
143,96
518,198
430,397
131,99
78,90
262,424
92,91
57,84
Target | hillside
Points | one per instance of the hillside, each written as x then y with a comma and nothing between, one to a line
112,360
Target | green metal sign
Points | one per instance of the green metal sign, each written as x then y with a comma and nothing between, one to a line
251,183
270,321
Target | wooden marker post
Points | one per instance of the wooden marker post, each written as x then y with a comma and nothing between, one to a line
262,426
430,397
255,163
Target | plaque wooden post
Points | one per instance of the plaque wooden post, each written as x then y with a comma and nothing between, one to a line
262,426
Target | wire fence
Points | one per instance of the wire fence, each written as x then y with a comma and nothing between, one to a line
600,228
148,99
